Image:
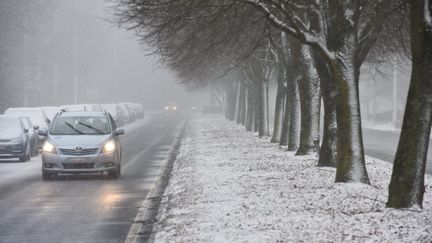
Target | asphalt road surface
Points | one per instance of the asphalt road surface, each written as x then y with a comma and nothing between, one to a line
383,145
85,208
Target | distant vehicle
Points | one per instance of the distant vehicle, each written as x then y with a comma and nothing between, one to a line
116,112
127,116
138,109
33,135
82,142
82,107
14,138
50,111
37,116
171,107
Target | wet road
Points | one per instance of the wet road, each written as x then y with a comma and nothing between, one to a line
383,145
85,208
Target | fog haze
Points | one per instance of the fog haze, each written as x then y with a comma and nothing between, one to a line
54,49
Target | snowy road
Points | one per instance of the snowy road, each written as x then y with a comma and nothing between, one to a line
383,145
85,208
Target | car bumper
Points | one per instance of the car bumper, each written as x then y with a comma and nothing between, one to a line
57,163
11,150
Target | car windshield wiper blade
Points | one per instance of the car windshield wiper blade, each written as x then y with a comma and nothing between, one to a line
91,127
73,128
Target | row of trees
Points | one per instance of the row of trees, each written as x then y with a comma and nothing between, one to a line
314,49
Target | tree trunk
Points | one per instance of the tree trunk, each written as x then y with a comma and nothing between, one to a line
263,130
345,68
310,99
286,119
407,182
279,106
294,126
245,104
256,106
240,103
250,122
327,155
350,152
230,110
237,101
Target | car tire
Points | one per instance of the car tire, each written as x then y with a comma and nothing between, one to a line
46,175
114,174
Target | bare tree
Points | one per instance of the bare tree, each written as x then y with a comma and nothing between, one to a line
407,183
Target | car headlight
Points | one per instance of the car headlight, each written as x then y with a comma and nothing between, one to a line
174,108
109,147
48,148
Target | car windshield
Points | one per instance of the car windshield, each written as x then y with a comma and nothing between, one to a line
9,124
80,126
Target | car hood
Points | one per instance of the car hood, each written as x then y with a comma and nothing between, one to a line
9,134
72,140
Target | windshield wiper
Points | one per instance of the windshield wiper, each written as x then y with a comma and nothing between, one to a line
91,127
73,128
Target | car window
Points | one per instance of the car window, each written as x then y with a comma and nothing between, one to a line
80,126
10,123
25,122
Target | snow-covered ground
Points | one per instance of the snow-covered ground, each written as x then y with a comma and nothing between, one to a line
228,185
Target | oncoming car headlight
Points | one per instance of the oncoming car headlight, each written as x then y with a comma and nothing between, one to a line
109,147
48,148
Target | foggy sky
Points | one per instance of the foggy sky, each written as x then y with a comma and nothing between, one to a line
48,44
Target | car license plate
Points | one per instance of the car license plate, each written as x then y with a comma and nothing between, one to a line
79,160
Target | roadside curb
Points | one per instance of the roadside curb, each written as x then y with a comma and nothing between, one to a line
142,226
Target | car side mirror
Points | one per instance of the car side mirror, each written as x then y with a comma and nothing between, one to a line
43,132
26,130
35,127
119,131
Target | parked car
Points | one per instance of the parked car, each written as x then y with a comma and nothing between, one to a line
14,138
116,112
50,111
127,116
132,114
82,142
33,135
37,116
81,107
136,109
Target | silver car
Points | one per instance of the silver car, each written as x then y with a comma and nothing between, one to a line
82,142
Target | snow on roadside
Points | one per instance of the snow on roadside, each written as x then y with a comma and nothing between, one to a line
230,186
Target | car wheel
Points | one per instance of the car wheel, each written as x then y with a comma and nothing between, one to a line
46,175
114,174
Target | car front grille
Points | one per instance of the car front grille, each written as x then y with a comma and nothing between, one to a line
78,166
78,152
